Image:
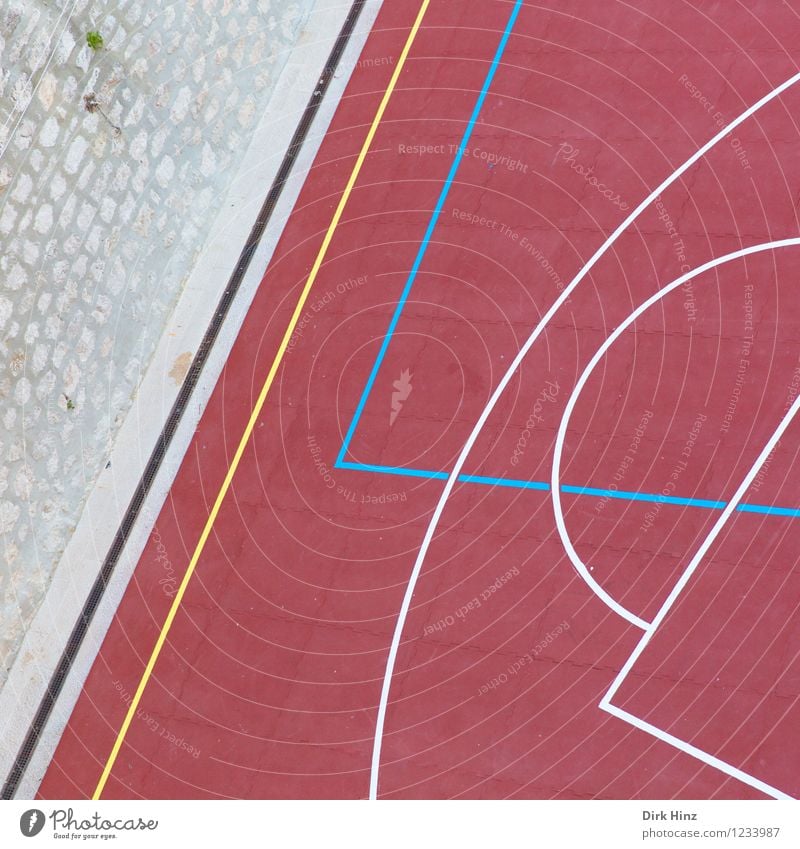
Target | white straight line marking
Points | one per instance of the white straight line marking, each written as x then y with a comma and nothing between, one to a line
722,766
701,552
555,480
456,471
605,702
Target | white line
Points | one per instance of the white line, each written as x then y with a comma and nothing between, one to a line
501,387
555,480
722,766
707,543
605,702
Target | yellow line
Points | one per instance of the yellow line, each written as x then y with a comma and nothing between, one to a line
134,705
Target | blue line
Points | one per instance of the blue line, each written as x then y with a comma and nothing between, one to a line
575,490
429,231
644,496
762,508
391,470
517,484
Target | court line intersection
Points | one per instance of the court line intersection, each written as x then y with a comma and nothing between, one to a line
593,492
456,475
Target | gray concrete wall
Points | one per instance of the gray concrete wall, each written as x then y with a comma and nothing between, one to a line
99,231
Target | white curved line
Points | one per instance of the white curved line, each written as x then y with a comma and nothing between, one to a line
555,482
730,507
456,471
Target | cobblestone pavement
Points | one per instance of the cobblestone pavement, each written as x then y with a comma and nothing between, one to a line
114,162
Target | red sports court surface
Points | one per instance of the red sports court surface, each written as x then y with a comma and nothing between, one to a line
609,604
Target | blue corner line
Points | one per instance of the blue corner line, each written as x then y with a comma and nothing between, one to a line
501,47
592,492
341,463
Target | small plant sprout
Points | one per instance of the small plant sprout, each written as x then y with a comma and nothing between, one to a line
70,402
94,39
92,105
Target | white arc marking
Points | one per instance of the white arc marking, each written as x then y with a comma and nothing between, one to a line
501,387
605,703
555,480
